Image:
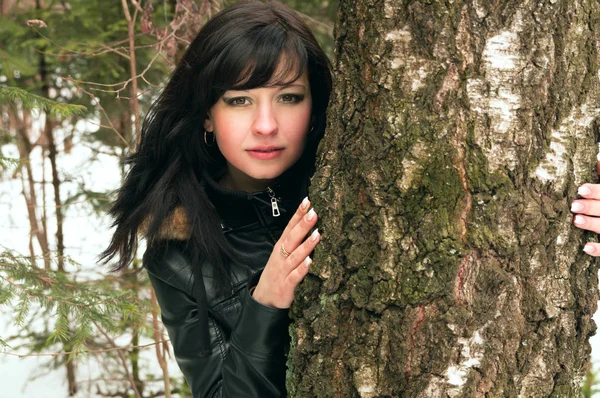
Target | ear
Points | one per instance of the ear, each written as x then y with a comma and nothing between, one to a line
208,126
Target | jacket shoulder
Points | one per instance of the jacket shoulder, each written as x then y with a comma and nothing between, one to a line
169,262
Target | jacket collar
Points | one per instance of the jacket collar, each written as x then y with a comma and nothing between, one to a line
239,208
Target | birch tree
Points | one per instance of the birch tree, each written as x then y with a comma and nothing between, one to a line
449,267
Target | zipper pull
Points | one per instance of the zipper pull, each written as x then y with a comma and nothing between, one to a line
274,205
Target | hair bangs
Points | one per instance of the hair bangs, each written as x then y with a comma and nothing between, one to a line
268,57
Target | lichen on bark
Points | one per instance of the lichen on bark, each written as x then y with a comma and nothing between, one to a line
458,133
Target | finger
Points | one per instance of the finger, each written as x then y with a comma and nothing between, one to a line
598,168
298,233
587,207
297,217
587,223
305,248
589,191
593,249
298,274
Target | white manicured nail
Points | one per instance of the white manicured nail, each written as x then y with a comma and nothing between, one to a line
304,204
588,248
307,261
311,214
584,191
579,220
314,235
576,206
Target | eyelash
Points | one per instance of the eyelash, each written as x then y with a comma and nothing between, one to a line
293,99
232,101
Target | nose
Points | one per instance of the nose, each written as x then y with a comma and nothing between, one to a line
265,122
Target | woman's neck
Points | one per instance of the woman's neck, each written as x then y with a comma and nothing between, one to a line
241,182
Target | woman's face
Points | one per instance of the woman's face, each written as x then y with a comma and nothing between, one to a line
261,132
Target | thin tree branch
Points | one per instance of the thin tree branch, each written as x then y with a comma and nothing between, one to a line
58,354
160,354
123,361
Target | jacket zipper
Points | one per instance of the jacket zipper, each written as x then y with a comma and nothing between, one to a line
274,205
261,220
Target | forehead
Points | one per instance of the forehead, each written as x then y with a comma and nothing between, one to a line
285,77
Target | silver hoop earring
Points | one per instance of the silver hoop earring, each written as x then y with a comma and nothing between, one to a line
206,141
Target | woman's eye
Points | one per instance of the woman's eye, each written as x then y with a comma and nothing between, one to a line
238,101
291,98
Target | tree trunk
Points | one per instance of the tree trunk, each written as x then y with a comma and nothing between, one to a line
52,154
22,125
449,267
48,132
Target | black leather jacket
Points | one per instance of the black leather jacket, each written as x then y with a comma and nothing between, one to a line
248,341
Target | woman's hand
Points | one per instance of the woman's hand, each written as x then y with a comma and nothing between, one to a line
587,213
289,261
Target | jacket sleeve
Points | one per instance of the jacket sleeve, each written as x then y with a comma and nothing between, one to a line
250,364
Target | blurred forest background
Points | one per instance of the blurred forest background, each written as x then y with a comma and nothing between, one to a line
75,79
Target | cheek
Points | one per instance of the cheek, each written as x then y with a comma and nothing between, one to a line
301,122
225,129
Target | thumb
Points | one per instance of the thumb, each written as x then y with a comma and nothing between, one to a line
598,168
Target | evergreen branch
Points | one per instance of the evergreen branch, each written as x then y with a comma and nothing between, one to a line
10,59
31,101
9,163
63,353
37,293
75,306
62,325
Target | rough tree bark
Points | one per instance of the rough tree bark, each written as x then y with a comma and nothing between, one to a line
449,267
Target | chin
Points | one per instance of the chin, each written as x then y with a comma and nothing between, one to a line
266,171
265,176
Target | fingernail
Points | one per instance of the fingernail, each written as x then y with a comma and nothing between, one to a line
579,220
598,156
310,215
575,206
588,248
304,204
307,262
584,191
314,235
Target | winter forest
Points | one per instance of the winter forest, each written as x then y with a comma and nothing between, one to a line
458,133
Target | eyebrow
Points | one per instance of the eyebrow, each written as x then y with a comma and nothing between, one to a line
279,86
297,85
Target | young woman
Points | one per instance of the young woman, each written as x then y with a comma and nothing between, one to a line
218,187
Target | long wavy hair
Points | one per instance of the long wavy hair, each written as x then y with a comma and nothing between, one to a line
239,48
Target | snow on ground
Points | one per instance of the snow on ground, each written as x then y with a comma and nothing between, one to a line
85,237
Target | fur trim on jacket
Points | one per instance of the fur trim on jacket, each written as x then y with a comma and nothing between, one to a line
175,227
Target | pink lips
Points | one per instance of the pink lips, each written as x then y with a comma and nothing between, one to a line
265,152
